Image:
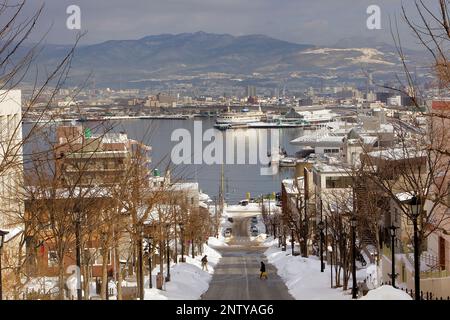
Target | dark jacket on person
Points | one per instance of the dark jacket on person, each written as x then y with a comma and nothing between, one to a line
204,260
263,267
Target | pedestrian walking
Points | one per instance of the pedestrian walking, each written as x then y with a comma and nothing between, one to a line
205,263
263,273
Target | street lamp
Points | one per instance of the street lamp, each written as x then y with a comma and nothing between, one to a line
354,287
292,240
2,241
140,229
321,226
330,250
182,241
78,249
415,205
393,229
168,254
149,247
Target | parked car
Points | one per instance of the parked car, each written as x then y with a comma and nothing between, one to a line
254,220
254,233
227,233
243,203
230,220
253,228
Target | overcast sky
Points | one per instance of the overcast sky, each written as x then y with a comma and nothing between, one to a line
320,22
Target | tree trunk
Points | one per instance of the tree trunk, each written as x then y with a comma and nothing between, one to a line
104,287
61,281
119,273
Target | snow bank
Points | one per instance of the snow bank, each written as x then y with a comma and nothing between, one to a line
303,277
188,281
217,242
386,293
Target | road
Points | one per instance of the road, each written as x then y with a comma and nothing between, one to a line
236,277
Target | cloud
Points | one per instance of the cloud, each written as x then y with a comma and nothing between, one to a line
317,22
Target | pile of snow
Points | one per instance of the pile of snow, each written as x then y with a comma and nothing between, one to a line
188,281
302,276
217,242
386,293
270,242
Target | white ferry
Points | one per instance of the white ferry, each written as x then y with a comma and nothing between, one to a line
245,116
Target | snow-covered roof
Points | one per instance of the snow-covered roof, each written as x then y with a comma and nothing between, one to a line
398,153
12,233
291,187
404,196
318,140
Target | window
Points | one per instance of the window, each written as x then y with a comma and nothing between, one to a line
338,182
331,151
52,258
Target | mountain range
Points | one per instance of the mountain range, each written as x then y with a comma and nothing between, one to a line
197,55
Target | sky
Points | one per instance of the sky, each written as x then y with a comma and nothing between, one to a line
319,22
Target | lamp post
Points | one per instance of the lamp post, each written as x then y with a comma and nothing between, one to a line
168,254
415,205
2,242
393,229
330,250
321,226
140,261
192,245
78,250
292,240
150,246
182,241
354,287
274,228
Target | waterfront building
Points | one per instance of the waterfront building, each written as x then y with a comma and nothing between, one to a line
87,159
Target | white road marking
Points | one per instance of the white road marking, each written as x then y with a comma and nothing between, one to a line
246,279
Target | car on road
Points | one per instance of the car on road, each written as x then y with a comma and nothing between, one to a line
254,220
230,220
254,233
227,233
243,203
254,228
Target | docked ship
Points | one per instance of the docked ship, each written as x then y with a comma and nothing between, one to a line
230,119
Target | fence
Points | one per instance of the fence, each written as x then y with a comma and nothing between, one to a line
423,295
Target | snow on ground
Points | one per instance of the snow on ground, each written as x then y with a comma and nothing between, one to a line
386,293
367,55
243,211
217,242
302,275
188,281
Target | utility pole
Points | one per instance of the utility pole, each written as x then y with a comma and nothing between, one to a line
217,217
221,190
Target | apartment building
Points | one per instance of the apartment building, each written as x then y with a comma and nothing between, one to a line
85,159
11,206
